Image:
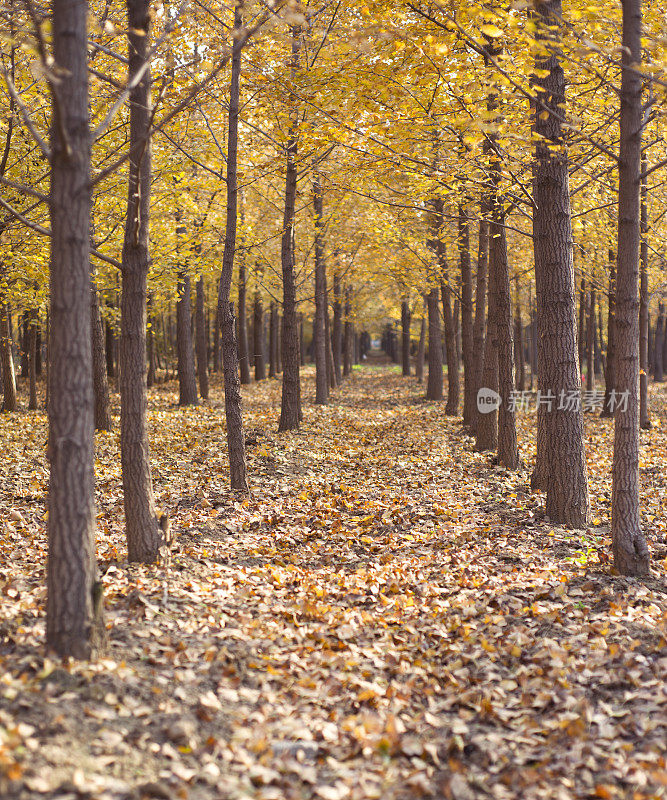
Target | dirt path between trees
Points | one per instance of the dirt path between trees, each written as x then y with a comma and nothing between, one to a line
387,616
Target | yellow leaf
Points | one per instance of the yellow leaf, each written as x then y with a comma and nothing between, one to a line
491,31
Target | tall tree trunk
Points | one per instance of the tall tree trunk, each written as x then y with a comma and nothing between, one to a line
644,418
419,364
141,524
508,453
479,325
217,354
38,347
230,365
658,365
405,336
109,349
32,358
187,382
435,372
486,431
581,339
290,407
328,349
258,337
561,460
467,324
244,360
590,342
453,382
74,624
519,355
201,339
319,324
337,339
347,335
152,355
601,358
100,382
631,554
24,334
610,364
8,373
273,339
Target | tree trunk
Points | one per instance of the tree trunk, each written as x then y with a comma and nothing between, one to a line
258,337
644,418
469,399
152,355
230,364
201,340
25,355
479,324
141,524
631,554
331,372
453,382
290,409
74,624
405,336
508,453
244,360
8,374
610,365
100,382
347,335
419,365
38,347
319,323
337,340
519,355
187,382
435,372
658,366
561,460
273,339
32,358
109,348
590,342
486,432
581,340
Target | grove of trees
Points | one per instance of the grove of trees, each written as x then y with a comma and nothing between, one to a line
490,174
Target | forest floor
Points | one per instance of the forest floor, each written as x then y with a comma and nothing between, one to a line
388,615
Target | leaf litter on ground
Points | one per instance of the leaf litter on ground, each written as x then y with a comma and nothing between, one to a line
387,615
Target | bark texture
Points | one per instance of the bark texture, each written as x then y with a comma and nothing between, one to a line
561,461
233,413
434,385
8,373
290,409
141,524
479,325
74,625
201,339
610,361
319,325
469,398
644,418
187,382
405,336
100,381
631,554
508,453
